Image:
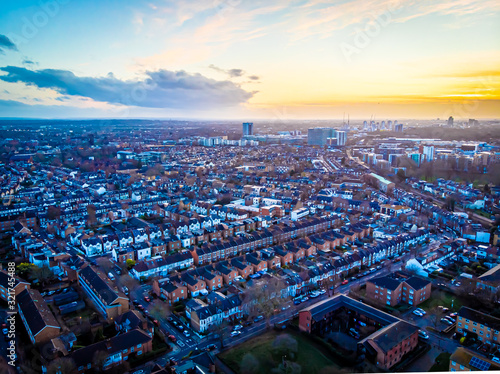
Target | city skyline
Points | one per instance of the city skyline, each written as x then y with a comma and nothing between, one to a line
250,60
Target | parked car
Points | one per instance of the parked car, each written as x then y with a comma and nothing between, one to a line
417,313
495,359
446,321
421,310
423,335
211,347
354,333
140,307
235,333
5,331
237,327
454,315
443,309
111,276
172,338
353,279
186,333
147,299
258,318
345,281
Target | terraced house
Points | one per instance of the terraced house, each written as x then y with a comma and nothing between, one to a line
108,301
39,321
486,327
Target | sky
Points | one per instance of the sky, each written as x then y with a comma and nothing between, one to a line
250,59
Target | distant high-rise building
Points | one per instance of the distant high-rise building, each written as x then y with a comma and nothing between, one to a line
320,135
382,125
341,138
398,127
428,152
389,125
450,121
247,128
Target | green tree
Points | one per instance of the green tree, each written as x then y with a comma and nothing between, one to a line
130,263
24,269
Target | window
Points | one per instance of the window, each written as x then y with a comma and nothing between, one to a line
461,367
139,345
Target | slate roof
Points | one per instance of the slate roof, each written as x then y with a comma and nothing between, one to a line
35,311
392,335
417,283
479,317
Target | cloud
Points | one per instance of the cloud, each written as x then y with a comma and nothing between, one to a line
253,77
6,43
158,89
27,61
232,73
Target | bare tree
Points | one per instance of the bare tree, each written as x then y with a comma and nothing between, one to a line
265,297
99,360
221,331
285,345
62,366
159,309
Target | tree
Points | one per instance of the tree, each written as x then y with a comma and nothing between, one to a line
130,263
99,360
285,345
129,282
159,310
62,366
104,263
436,314
91,211
265,297
288,367
53,212
220,331
43,274
24,269
249,364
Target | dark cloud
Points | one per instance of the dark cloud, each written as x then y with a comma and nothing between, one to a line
27,61
6,43
232,73
235,73
159,89
253,77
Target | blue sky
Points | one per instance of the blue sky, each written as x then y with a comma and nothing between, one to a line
249,59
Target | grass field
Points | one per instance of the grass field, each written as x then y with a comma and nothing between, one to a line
442,362
310,357
443,298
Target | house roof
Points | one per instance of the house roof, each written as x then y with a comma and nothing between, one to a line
392,335
35,311
386,282
479,317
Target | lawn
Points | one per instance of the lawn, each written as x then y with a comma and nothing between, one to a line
442,362
310,358
439,297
